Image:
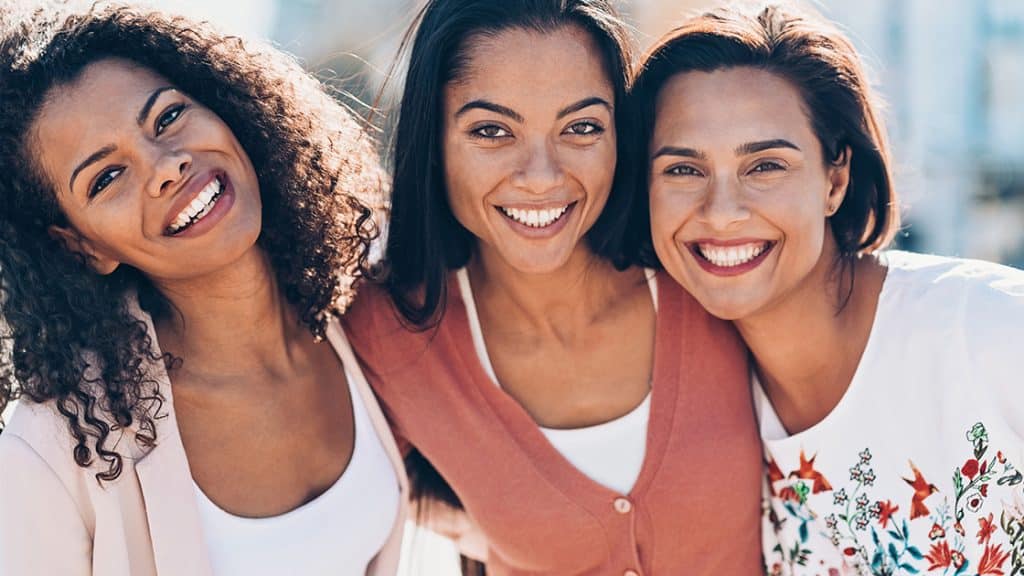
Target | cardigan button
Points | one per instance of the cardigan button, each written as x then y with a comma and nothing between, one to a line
630,573
623,506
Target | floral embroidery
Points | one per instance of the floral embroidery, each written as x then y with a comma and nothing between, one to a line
934,531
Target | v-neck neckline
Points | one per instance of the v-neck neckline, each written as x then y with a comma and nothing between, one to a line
525,431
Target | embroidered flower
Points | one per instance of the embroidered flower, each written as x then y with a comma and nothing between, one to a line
862,522
839,498
869,477
855,473
862,502
977,432
974,501
830,521
970,469
885,512
865,456
987,527
936,532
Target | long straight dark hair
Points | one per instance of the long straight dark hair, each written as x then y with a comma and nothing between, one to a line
425,241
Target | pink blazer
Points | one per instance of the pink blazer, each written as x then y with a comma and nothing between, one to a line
55,518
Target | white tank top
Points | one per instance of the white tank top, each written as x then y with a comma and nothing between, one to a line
611,453
338,533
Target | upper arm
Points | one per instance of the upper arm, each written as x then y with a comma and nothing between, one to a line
41,528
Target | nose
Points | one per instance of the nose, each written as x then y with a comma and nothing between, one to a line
541,170
169,168
724,205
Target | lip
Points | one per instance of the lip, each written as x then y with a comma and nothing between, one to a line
711,267
538,233
189,191
216,214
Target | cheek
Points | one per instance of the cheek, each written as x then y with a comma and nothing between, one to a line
670,210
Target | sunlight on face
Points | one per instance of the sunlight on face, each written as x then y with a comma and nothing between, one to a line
739,189
529,145
145,175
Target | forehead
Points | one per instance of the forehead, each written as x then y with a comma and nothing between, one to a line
86,114
533,68
731,105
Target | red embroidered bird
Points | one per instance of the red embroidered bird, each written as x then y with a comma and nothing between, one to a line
807,472
922,490
774,475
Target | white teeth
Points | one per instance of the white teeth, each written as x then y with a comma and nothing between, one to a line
535,218
199,207
732,255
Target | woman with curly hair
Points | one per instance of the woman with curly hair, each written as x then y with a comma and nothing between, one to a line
588,414
183,218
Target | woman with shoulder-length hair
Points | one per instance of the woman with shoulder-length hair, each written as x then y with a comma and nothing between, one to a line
887,383
588,414
183,217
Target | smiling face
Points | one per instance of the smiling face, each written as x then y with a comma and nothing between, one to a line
740,191
529,145
145,175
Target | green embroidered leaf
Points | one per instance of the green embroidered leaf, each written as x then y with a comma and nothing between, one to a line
913,551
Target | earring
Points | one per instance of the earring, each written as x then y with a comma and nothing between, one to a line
832,209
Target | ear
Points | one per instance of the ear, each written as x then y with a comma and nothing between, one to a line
839,181
75,242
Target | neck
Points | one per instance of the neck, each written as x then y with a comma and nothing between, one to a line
229,322
808,345
563,300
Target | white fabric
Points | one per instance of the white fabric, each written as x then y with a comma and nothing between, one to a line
610,453
338,533
939,389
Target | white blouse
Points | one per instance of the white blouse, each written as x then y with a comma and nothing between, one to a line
918,468
337,533
610,453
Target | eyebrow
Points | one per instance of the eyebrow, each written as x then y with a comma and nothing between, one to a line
491,106
755,147
144,112
95,157
108,150
585,103
679,151
741,150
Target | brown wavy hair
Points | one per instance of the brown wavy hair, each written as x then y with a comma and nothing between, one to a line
826,69
70,337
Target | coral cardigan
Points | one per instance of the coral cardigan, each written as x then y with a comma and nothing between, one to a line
55,518
695,507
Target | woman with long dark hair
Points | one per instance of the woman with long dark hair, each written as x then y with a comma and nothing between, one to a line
887,383
589,416
182,218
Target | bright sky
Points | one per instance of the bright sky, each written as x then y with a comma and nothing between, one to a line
246,18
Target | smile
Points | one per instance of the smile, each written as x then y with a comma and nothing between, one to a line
536,218
199,208
730,256
731,260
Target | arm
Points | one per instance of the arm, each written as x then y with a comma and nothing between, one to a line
41,529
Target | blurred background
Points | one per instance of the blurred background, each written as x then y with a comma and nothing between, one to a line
950,71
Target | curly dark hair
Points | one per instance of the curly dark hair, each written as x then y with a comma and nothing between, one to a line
70,335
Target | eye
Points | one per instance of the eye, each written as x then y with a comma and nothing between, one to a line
682,170
768,166
103,180
169,117
490,131
584,128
